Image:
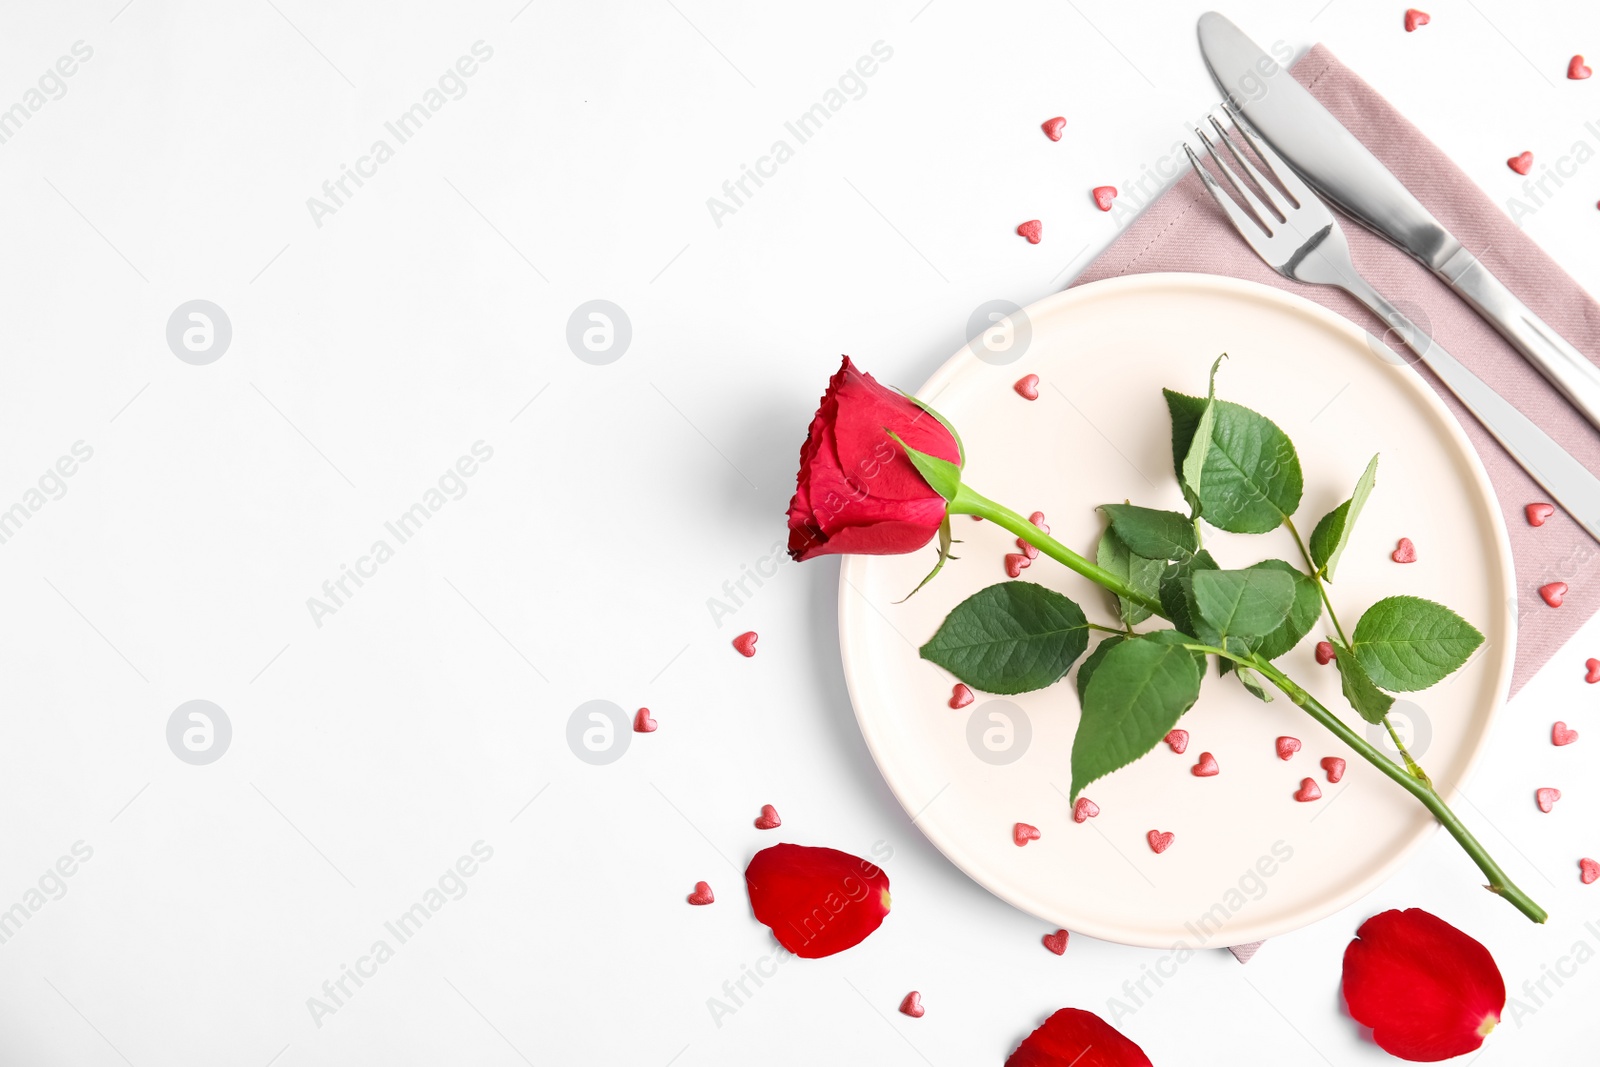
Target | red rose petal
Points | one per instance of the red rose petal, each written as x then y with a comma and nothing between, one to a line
1206,768
1016,563
1324,652
1308,791
746,643
1056,942
1052,127
1177,740
1404,551
643,723
1588,870
701,894
1022,833
1104,195
1084,810
960,696
1576,69
1546,798
1522,163
1033,228
1561,734
1537,513
1027,387
1334,766
1415,18
1075,1037
1593,666
1287,747
768,819
817,901
1427,990
912,1005
1553,593
1159,842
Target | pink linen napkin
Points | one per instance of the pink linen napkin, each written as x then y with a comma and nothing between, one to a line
1184,230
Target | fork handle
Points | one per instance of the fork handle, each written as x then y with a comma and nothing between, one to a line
1567,481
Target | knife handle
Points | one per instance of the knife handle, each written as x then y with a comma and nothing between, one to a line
1566,368
1567,481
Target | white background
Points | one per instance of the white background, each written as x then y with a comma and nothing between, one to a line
371,352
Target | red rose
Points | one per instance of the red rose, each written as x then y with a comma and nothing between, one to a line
857,491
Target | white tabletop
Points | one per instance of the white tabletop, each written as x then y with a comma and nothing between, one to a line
379,335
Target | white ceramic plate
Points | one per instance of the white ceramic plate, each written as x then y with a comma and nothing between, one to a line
1248,861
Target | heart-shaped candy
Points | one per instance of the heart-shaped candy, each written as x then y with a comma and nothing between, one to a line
1562,734
1308,791
1287,747
1033,229
1404,551
1052,127
746,643
643,723
1056,942
1415,18
701,894
1037,518
960,696
1537,513
1589,870
1084,810
1027,387
768,819
1522,164
1104,195
1027,549
1022,833
1594,671
1324,652
1576,69
1334,766
1159,842
912,1005
1206,768
1016,563
1546,798
1553,593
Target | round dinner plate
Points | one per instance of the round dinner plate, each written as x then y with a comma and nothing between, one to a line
1247,861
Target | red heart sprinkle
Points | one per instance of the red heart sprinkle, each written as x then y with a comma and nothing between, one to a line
1521,164
1415,18
1159,842
1324,652
1590,869
1056,942
746,644
1546,798
1052,127
1027,549
912,1005
1022,833
1576,70
1404,551
1594,671
1561,734
1016,563
768,819
1334,766
1103,195
1033,228
643,723
960,696
1287,746
1027,387
1553,593
1084,810
1037,518
1206,768
1178,741
1308,791
1537,513
701,894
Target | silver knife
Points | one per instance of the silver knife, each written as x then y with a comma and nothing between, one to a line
1338,166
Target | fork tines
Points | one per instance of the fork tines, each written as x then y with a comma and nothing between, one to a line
1268,204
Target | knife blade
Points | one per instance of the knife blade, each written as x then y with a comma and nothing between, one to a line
1330,158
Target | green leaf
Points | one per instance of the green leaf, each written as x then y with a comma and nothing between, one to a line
1134,698
1247,604
1177,596
1407,643
1182,640
942,476
1328,540
1013,637
961,449
1142,575
1303,613
1186,412
1194,463
1090,662
1153,534
1252,480
1370,702
1252,684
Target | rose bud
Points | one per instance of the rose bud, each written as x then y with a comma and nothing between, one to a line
1076,1038
1428,991
859,491
817,901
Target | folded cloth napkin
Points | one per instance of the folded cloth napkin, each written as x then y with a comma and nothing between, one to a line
1185,231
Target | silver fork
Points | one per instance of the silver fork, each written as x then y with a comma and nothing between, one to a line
1298,236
